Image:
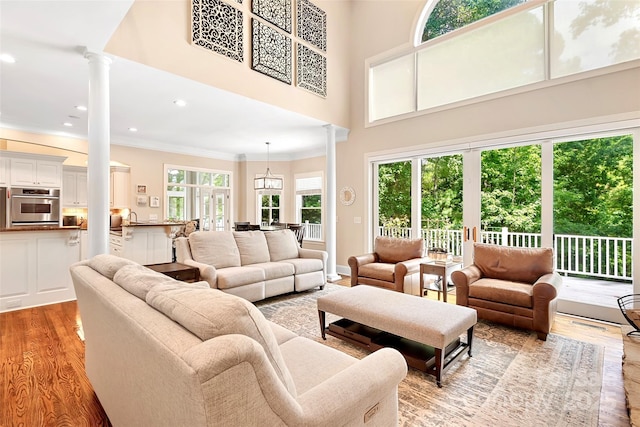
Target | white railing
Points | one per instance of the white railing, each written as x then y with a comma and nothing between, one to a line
592,256
312,231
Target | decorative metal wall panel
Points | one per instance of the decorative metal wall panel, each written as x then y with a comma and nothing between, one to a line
217,26
278,12
271,52
312,24
311,70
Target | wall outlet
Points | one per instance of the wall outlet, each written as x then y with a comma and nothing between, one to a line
153,217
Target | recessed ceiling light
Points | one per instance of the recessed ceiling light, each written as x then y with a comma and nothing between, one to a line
67,124
5,57
81,108
180,102
133,129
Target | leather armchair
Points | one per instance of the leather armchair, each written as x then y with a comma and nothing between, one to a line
512,286
394,264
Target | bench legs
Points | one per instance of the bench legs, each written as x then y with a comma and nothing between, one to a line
321,315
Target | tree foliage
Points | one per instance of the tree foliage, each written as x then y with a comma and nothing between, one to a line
593,193
449,15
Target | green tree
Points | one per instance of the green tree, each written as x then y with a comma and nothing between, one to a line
394,193
442,192
449,15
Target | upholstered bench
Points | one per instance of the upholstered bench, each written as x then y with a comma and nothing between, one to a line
426,332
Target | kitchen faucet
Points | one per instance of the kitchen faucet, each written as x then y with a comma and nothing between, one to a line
130,216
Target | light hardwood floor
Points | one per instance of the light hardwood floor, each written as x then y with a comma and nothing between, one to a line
42,379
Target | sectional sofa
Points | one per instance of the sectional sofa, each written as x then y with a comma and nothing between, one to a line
253,264
159,352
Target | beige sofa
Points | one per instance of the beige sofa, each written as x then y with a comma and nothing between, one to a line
253,264
164,353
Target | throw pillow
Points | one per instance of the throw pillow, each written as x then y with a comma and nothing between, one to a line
209,313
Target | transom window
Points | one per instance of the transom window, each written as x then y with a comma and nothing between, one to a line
188,190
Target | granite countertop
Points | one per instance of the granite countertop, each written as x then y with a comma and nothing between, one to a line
39,228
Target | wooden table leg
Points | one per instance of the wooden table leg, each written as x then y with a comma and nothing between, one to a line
439,365
470,339
321,315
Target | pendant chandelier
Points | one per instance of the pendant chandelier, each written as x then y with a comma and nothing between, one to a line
267,181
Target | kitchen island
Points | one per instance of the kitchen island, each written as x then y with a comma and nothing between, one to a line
34,265
145,242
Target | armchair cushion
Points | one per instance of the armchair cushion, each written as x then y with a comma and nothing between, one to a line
516,264
378,270
503,291
391,250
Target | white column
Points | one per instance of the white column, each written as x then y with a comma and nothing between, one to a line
99,154
330,209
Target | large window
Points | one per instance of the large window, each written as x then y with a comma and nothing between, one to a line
525,44
309,204
190,194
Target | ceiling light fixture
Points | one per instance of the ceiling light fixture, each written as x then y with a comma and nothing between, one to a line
180,102
67,124
81,107
133,129
5,57
268,181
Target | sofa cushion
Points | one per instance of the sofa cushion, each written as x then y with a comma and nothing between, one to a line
282,244
502,291
378,270
108,265
516,264
252,246
233,277
305,265
216,248
393,250
209,313
138,280
275,270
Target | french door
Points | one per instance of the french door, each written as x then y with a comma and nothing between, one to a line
214,210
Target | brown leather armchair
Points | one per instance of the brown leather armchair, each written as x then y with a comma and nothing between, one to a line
512,286
394,264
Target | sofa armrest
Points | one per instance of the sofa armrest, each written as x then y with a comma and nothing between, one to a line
358,260
462,279
547,286
313,253
545,290
344,398
207,272
410,266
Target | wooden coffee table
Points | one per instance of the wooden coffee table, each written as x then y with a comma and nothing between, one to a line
182,272
426,332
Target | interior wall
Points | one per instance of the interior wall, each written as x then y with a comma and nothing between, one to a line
591,100
158,34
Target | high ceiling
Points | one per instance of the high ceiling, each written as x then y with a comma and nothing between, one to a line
39,92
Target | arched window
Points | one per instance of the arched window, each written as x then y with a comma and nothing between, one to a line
448,15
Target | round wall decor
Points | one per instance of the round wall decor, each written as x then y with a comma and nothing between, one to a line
347,196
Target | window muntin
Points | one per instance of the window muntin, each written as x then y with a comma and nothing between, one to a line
269,207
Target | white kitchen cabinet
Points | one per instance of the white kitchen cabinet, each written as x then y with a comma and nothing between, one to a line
74,187
143,244
5,169
26,283
119,187
30,172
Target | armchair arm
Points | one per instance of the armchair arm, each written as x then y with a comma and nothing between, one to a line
349,394
462,279
356,261
405,268
545,291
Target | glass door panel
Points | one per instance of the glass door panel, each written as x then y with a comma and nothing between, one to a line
394,199
511,196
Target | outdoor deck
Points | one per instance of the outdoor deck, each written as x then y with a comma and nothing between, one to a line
593,298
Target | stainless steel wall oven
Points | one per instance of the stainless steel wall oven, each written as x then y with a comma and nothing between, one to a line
35,206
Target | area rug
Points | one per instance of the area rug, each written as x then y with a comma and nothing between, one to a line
513,379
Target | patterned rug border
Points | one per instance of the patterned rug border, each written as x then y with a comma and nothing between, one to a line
513,379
